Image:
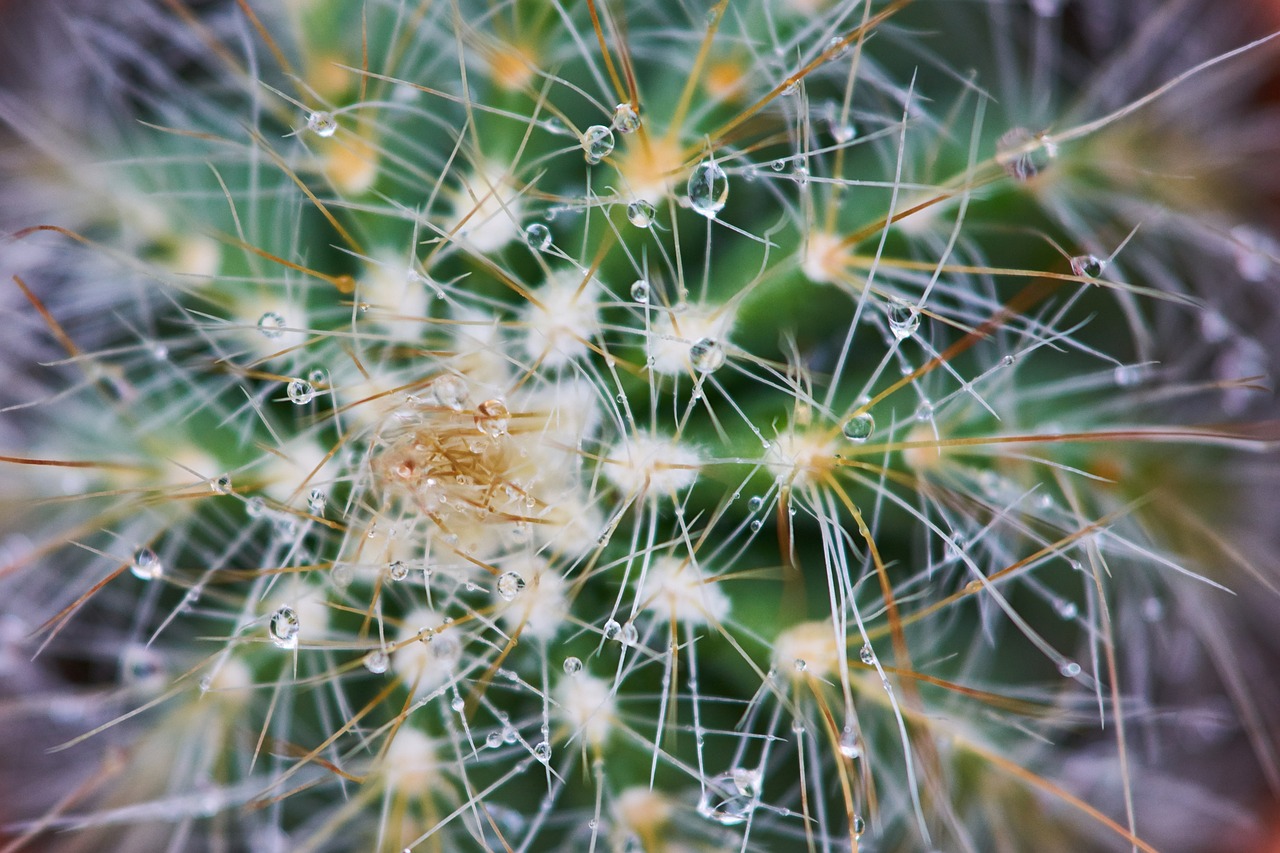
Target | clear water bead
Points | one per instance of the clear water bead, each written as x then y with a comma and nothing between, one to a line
630,634
492,418
904,318
1069,669
640,291
708,188
755,503
284,628
640,213
843,133
848,744
316,501
611,629
1087,266
322,124
377,661
859,826
271,325
493,740
300,392
867,655
597,143
450,391
509,585
838,47
626,119
538,236
397,570
146,565
1023,155
728,799
222,485
707,355
542,751
572,665
858,428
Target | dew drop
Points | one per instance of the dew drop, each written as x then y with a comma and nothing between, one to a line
904,319
572,665
848,744
778,165
630,634
843,133
398,571
1066,609
492,418
377,661
867,655
271,325
1069,669
725,801
1023,154
509,585
300,392
146,565
538,236
708,188
626,119
222,485
542,751
450,391
322,124
316,501
1087,266
801,664
640,213
284,628
493,740
756,525
755,503
858,428
640,291
597,143
611,629
707,355
859,826
457,704
837,47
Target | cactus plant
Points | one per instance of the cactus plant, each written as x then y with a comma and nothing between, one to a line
603,426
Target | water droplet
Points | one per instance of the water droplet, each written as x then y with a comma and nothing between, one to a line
1008,360
707,355
1087,266
778,165
377,661
222,485
146,565
843,133
457,704
904,318
858,428
1023,154
316,501
1069,669
800,174
398,571
755,503
450,391
630,634
801,664
284,628
611,629
640,291
1129,375
542,751
708,188
724,799
626,119
271,325
509,585
572,665
867,655
859,826
756,525
640,213
492,418
597,142
300,392
538,236
322,124
849,746
1066,609
493,740
838,46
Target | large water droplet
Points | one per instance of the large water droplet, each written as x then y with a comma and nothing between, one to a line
300,392
597,143
1023,154
904,318
146,565
509,585
640,291
1069,669
630,634
848,745
572,665
271,325
707,355
397,570
867,655
492,418
1087,266
322,123
640,213
542,752
626,119
858,428
450,391
284,628
755,503
538,236
611,629
729,799
708,188
222,484
377,661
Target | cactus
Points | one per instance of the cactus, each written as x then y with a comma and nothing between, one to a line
606,426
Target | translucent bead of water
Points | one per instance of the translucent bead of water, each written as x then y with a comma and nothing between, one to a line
597,143
708,188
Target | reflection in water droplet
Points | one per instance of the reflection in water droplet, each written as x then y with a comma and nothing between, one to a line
708,188
597,143
284,628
